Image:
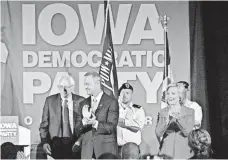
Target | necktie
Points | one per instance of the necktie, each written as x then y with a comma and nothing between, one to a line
66,121
94,105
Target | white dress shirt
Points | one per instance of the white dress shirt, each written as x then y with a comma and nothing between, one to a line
71,110
4,53
198,112
133,117
94,106
98,98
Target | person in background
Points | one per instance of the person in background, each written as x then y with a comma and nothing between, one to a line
130,151
58,120
131,118
184,88
10,151
175,122
108,156
200,142
97,120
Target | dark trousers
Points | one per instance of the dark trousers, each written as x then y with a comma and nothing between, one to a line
62,148
119,151
93,155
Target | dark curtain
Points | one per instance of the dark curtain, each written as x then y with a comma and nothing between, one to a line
197,61
209,68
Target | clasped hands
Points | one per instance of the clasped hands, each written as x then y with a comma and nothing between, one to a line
88,116
87,121
175,115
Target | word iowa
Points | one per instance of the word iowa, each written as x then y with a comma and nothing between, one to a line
89,19
8,125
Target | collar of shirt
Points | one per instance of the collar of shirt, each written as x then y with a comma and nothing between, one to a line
187,102
69,99
125,107
98,98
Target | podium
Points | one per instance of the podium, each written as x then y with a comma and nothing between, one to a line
24,142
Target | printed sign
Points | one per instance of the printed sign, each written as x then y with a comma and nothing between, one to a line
9,129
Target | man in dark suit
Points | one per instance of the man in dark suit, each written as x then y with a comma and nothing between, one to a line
97,120
58,120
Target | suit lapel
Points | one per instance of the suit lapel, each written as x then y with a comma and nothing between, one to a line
89,101
101,104
56,104
75,109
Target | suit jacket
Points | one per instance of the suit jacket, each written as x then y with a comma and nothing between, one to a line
50,126
104,138
175,134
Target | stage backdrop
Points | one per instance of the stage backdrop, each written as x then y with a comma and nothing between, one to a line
48,39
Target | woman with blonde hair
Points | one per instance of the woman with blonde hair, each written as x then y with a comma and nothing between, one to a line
200,142
175,122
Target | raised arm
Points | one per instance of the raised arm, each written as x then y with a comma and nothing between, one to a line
186,122
162,125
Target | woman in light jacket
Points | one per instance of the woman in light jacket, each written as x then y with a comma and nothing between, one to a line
175,122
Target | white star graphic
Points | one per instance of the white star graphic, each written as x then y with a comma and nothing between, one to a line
106,63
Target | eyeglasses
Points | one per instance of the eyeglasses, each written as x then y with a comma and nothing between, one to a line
64,87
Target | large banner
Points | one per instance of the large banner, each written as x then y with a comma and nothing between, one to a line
46,40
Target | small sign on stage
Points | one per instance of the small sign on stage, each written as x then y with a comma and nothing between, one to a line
9,129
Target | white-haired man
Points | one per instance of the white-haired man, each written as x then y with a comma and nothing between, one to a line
58,120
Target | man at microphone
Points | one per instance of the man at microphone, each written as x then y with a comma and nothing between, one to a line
58,120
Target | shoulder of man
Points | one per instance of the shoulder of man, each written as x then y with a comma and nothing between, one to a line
77,97
51,97
107,97
193,104
196,104
85,100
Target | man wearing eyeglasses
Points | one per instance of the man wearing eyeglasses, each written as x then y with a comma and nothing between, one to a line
58,120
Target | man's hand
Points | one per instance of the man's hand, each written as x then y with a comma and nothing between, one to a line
86,111
47,148
85,121
197,125
92,120
76,146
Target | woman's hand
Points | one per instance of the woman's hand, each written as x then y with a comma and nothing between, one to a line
175,115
